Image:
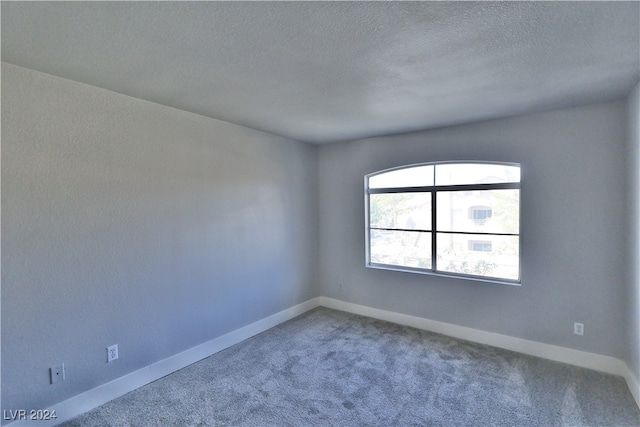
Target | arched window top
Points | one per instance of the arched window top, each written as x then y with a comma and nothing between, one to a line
444,174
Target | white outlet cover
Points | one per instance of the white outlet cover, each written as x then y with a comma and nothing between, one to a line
578,328
57,373
112,353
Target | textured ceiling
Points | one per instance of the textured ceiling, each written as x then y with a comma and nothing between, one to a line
329,71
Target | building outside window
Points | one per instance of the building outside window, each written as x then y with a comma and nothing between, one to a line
480,214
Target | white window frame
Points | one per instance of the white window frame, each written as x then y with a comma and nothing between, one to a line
433,190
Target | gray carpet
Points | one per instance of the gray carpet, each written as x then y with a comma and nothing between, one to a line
328,368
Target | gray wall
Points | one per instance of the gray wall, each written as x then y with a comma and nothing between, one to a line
132,223
572,215
633,251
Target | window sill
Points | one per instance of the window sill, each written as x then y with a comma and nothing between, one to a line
444,274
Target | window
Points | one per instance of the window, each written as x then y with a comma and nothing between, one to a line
451,218
480,246
479,214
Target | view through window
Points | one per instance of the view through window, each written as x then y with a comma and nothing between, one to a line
451,218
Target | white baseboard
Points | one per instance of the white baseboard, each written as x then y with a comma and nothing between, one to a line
93,398
634,385
570,356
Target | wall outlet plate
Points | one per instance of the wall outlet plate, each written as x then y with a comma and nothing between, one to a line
57,373
112,353
578,328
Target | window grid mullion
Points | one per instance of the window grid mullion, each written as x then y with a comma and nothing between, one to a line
433,230
466,233
478,233
411,230
465,187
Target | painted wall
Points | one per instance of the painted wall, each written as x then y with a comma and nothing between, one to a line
572,210
633,251
133,223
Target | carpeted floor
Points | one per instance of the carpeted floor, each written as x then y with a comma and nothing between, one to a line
329,368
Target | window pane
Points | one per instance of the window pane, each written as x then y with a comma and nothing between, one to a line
402,248
484,211
480,255
417,176
475,173
411,211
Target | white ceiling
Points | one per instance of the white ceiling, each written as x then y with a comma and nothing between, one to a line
328,71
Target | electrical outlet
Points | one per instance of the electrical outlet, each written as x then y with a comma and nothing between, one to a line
57,373
112,353
578,328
